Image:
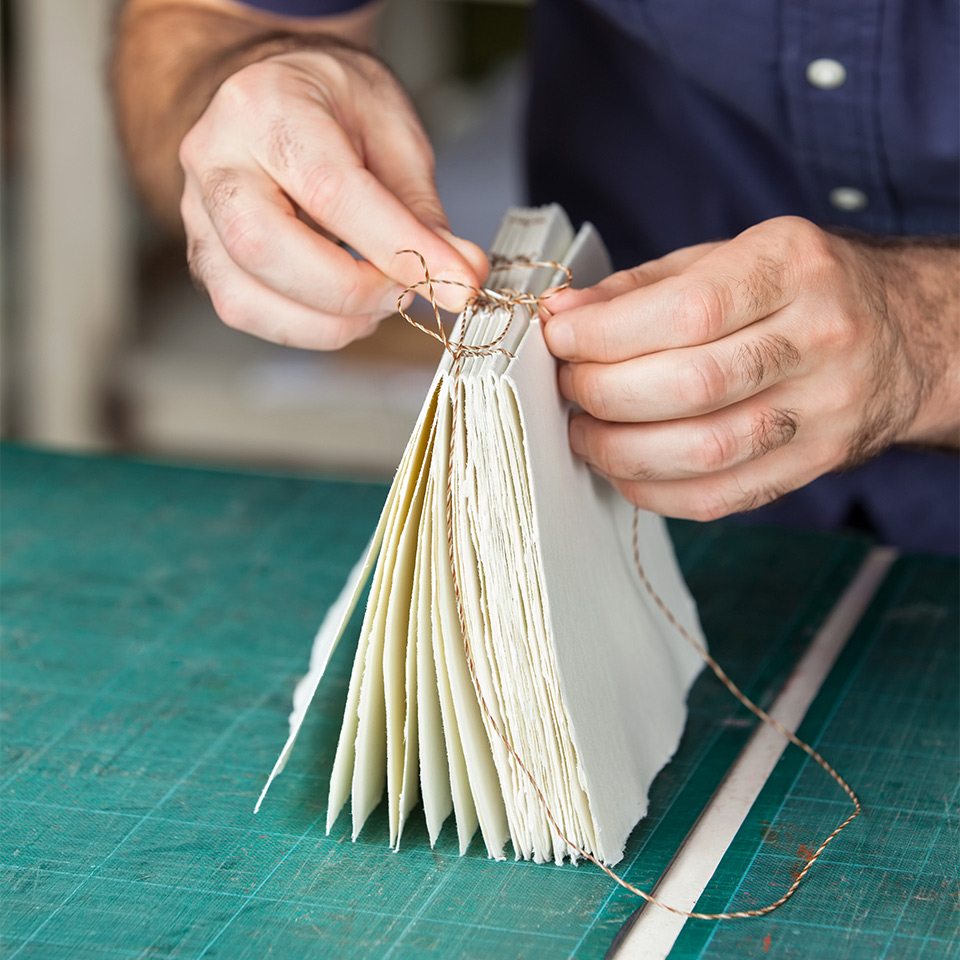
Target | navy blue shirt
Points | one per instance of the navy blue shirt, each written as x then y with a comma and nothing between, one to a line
671,122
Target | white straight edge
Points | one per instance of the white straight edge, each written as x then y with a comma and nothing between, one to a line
654,931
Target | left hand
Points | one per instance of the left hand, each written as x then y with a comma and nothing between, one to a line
724,375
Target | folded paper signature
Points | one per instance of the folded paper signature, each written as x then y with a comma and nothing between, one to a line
491,524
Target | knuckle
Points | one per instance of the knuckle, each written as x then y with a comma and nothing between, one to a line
700,311
770,356
809,245
717,447
642,474
345,298
231,308
607,452
786,229
337,71
770,429
753,499
618,451
190,151
603,339
243,239
588,389
283,147
640,276
751,363
701,383
632,492
188,208
762,287
842,332
711,505
219,190
246,89
324,192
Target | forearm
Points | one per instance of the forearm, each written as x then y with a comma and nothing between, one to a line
919,284
170,56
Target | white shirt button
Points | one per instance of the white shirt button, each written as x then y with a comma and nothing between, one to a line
826,74
849,199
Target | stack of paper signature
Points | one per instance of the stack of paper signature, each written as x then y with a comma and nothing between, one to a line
577,667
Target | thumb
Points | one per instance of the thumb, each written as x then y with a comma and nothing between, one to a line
458,259
470,252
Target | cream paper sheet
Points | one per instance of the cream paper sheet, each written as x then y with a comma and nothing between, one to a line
578,669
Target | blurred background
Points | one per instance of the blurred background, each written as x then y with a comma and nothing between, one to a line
105,344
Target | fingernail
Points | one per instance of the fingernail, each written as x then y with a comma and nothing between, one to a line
565,379
556,301
560,338
452,298
469,251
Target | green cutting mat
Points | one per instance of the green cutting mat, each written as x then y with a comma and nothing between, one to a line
888,719
155,619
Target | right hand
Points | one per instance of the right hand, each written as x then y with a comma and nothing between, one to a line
293,154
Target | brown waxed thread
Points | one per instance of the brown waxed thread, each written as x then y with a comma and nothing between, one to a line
508,300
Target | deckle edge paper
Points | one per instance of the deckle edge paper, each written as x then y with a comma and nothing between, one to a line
604,650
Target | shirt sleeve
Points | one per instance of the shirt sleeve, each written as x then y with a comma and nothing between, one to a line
305,8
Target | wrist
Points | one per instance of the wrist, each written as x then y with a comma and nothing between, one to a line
921,281
266,46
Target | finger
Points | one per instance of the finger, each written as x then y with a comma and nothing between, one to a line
259,229
740,489
690,381
246,304
623,281
333,186
679,449
733,285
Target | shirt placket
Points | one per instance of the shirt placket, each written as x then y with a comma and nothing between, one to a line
830,71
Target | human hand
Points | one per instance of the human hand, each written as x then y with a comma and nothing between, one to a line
293,154
724,375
